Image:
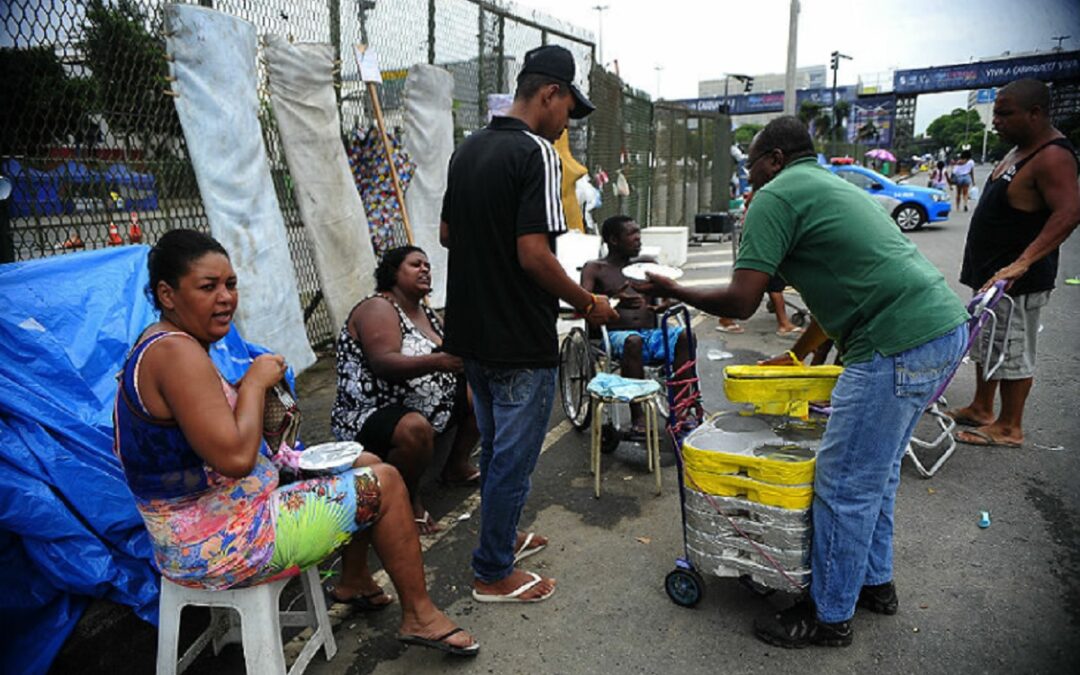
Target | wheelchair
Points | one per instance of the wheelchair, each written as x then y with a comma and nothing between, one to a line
586,351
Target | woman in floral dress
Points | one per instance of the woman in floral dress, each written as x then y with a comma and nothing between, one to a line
193,454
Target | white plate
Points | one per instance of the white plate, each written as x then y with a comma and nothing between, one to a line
331,457
637,271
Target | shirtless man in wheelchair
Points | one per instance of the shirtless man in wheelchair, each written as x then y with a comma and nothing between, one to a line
636,338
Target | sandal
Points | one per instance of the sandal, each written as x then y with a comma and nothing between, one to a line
363,603
524,551
427,524
441,644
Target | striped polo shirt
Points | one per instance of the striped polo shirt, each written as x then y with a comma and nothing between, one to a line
504,181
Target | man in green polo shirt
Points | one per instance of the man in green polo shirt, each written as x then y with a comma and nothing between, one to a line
901,332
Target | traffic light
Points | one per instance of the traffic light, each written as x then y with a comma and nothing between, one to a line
835,63
748,84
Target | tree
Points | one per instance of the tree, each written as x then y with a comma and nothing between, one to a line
43,105
816,118
958,128
746,132
841,111
128,63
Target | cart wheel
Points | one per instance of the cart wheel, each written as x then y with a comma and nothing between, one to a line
799,318
609,439
686,588
576,369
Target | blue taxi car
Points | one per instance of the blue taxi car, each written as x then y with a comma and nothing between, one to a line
911,206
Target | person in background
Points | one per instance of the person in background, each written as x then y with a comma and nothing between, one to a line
1029,207
938,179
963,176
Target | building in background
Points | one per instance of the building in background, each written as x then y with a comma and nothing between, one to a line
807,77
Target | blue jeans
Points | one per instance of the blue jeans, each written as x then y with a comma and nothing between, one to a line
513,407
876,405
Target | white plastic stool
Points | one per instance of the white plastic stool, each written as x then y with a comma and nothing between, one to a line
650,404
259,629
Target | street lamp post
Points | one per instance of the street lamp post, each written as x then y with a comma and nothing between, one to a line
658,68
835,63
789,75
600,31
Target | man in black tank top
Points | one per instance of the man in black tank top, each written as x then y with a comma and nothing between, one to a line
1029,206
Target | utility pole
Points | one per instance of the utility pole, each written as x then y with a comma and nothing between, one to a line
835,63
600,31
789,76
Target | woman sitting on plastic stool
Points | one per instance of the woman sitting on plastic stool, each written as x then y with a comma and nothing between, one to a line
193,454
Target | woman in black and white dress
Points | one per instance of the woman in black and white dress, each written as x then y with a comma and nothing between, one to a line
397,391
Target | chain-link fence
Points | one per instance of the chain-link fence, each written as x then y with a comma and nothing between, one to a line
92,142
691,166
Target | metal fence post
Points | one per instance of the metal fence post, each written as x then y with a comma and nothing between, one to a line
481,100
431,33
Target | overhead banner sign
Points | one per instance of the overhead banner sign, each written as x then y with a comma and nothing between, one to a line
985,74
749,104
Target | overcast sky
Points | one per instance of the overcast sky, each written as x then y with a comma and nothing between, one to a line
696,40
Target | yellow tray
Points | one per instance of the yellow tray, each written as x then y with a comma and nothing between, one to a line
727,485
777,472
780,390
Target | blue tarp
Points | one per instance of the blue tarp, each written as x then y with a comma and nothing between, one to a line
69,530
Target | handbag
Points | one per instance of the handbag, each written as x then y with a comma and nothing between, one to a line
281,418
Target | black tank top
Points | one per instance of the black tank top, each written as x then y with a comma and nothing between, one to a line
999,234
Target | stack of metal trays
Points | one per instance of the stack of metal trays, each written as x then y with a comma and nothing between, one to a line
748,489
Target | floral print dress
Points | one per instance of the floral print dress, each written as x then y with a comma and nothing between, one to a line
215,532
360,392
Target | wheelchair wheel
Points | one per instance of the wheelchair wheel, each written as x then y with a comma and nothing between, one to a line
609,439
576,369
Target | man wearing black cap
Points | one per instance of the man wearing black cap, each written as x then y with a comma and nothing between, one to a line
501,213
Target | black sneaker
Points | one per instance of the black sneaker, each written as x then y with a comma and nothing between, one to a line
798,627
880,599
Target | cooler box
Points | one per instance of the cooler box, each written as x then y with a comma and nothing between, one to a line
780,390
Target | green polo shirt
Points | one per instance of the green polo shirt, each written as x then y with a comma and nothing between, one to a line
866,284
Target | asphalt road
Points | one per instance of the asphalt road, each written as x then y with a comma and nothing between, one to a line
999,600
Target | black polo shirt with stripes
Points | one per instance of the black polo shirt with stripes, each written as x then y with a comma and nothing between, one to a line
504,181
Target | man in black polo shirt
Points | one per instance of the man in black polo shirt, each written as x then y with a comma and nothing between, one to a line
501,213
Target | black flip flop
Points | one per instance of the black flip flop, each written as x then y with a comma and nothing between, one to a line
440,644
362,603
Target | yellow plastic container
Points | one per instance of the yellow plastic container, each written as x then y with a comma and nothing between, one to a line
729,485
780,390
777,468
